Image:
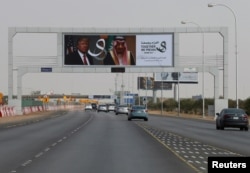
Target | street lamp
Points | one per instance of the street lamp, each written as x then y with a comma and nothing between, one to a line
236,47
203,68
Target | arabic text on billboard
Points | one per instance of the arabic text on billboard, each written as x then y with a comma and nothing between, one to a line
123,50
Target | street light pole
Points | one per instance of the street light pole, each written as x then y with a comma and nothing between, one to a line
203,66
236,47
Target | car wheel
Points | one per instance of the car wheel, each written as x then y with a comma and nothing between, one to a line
222,126
129,119
241,128
145,119
246,128
217,127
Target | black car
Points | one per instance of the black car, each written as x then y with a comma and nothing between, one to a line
232,117
94,106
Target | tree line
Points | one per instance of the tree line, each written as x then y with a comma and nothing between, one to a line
192,106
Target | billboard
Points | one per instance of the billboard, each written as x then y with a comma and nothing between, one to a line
162,85
148,83
175,77
122,50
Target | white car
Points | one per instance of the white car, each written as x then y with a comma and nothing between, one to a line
111,107
88,107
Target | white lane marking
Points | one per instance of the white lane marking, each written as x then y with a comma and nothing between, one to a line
53,145
27,162
39,155
46,149
203,168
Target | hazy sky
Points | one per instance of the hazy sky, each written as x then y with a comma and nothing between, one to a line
124,14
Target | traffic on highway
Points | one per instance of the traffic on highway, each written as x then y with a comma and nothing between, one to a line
91,141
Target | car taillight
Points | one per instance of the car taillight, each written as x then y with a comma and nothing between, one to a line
245,117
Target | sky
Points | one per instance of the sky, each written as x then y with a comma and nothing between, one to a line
124,14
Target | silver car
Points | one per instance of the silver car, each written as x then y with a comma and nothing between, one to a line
102,108
122,109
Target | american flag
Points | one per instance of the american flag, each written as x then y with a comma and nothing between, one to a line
69,45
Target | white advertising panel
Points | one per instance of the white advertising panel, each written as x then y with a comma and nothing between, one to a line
154,50
173,77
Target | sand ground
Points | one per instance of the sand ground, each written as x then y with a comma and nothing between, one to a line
21,118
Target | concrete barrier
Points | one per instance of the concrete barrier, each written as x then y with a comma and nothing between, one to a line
7,111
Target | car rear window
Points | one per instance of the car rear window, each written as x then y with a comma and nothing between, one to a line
138,107
234,111
123,106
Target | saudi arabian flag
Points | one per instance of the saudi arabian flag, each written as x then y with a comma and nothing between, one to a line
109,42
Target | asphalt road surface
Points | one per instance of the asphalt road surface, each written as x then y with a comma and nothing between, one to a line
92,142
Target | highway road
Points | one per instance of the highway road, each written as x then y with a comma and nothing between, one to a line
92,142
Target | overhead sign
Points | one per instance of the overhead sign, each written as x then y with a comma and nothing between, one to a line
117,69
46,69
190,70
148,83
129,98
116,49
174,77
